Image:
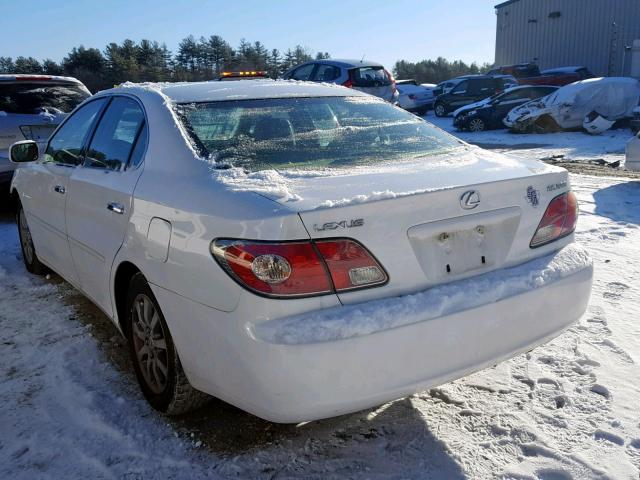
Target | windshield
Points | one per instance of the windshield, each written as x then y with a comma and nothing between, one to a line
316,132
30,98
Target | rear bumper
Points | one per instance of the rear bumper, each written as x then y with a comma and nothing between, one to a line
308,379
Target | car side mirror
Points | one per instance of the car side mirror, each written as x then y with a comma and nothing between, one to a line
24,151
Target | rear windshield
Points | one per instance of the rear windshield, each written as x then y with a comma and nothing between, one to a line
318,132
32,98
369,77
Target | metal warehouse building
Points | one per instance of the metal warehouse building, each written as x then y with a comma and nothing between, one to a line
598,34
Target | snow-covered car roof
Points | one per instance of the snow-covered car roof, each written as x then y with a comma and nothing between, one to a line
188,92
25,77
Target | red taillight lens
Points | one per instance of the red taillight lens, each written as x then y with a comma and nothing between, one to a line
278,269
559,220
348,83
350,264
295,269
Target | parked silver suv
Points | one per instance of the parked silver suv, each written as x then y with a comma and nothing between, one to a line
368,77
31,107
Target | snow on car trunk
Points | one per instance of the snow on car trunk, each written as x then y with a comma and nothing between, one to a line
427,221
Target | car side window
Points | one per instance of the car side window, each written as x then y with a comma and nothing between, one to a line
113,142
461,87
65,147
137,155
517,95
326,73
304,72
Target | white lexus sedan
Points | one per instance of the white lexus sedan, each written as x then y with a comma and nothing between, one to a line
299,250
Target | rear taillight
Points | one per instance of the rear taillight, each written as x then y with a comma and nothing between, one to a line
348,83
559,220
412,96
295,269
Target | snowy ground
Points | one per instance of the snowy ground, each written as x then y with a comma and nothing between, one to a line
70,407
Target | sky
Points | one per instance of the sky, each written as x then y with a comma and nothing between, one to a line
383,31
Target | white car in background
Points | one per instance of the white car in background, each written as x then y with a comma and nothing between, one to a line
413,97
31,107
299,250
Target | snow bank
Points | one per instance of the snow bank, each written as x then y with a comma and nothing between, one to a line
354,320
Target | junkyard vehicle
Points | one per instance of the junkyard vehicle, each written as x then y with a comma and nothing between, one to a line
579,72
362,75
470,90
31,107
489,113
612,98
413,97
297,249
530,74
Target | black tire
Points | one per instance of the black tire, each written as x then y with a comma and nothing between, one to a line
440,110
170,393
29,255
422,111
476,125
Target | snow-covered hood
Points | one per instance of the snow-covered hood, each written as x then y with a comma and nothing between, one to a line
303,190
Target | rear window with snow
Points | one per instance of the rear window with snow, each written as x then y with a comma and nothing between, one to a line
316,132
30,98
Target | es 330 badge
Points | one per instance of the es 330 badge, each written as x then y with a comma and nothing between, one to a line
533,196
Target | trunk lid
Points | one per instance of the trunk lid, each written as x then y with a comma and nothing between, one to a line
449,217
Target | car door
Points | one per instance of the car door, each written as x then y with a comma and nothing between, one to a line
460,95
100,200
48,189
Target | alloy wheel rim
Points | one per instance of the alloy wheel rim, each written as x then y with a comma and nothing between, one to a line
25,238
476,125
440,110
150,343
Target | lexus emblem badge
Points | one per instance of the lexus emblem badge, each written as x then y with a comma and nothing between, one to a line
470,199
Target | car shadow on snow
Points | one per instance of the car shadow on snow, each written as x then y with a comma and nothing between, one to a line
619,202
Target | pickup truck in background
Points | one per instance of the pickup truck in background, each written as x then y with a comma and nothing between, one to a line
530,74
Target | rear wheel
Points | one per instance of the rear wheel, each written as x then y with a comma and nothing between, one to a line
440,110
29,256
155,359
477,125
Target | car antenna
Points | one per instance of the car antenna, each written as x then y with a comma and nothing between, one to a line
362,59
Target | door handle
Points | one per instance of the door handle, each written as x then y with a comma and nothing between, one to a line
60,189
116,208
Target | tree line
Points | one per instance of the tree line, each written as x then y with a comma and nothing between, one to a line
436,71
151,61
200,59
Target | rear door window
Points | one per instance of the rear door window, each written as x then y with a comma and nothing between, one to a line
461,87
369,77
34,98
304,72
326,73
65,147
116,135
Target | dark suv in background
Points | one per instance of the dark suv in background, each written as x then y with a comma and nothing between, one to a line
471,90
